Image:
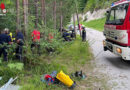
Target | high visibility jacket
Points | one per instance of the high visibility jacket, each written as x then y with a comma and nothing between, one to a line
12,37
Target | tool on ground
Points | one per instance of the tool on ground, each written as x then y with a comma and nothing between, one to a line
79,74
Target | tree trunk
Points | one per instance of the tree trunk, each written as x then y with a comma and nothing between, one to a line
25,11
54,14
36,13
77,16
43,11
27,5
18,14
61,17
74,24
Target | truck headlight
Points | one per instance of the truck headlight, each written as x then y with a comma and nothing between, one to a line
104,43
119,50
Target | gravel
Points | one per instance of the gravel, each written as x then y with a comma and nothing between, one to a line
109,64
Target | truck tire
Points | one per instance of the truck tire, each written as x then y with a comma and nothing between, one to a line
105,48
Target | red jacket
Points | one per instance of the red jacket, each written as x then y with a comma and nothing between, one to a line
36,35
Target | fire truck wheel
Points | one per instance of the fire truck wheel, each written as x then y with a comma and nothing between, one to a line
105,48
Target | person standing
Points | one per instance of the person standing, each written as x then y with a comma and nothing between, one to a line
36,41
20,43
10,34
83,34
4,41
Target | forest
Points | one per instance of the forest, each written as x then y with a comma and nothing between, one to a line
49,17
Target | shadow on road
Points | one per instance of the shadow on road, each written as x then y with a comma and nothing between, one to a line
118,62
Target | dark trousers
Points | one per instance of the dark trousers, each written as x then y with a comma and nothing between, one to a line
19,51
4,52
35,46
67,38
84,38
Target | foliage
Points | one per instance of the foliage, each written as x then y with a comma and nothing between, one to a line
18,66
81,5
9,20
97,24
73,56
92,5
65,55
6,73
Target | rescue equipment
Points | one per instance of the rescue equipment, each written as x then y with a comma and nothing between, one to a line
65,79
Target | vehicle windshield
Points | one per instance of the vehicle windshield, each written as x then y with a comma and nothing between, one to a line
116,15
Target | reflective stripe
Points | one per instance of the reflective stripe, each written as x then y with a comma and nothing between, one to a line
11,36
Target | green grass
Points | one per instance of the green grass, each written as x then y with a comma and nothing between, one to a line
73,56
97,24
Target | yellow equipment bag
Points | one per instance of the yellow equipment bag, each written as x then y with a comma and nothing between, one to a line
65,79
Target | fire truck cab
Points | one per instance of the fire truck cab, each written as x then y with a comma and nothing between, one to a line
117,29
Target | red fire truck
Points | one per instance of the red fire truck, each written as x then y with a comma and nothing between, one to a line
2,7
117,29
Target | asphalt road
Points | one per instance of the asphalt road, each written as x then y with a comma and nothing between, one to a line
109,64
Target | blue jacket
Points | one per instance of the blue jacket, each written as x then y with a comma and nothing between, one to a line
4,38
19,36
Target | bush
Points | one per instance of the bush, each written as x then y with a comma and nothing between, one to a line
7,73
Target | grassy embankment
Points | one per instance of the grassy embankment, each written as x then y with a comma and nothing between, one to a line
72,57
97,24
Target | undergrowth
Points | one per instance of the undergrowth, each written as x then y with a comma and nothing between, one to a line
72,57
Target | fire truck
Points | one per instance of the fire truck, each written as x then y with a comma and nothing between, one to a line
117,29
2,7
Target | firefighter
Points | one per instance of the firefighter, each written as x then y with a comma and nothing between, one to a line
66,35
73,35
36,41
83,34
20,43
9,34
4,41
12,37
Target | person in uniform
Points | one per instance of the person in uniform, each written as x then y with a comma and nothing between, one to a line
4,41
20,43
83,34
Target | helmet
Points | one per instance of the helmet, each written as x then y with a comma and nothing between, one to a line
6,30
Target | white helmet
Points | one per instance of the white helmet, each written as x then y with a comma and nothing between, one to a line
6,30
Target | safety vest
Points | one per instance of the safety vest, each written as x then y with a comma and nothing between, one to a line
11,36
